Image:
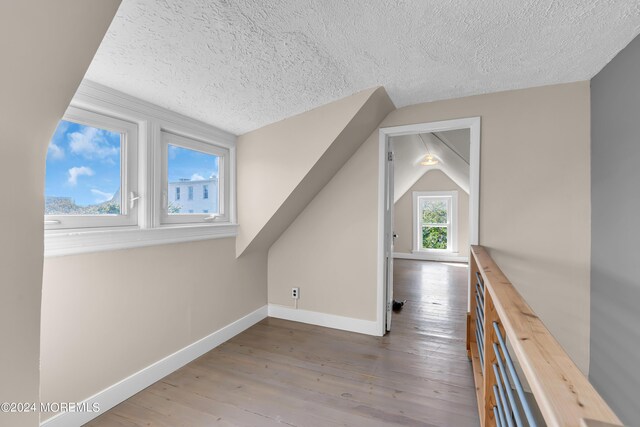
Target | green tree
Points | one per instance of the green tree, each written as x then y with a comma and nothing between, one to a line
434,237
108,208
174,208
434,212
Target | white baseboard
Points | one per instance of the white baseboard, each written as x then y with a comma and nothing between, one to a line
368,327
425,256
117,393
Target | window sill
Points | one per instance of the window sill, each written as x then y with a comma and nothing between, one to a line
71,242
433,251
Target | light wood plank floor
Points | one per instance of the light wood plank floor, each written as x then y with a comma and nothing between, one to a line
281,372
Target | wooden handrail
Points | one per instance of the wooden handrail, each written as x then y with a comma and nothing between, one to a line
563,394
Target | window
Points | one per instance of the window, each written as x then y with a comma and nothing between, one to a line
203,167
435,221
120,165
91,172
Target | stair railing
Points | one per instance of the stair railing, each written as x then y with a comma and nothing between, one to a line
505,337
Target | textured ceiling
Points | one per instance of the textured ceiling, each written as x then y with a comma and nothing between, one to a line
241,64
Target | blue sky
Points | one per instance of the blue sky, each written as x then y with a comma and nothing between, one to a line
83,163
190,164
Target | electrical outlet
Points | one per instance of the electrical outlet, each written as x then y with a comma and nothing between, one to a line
295,293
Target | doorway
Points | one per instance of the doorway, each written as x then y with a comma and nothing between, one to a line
430,146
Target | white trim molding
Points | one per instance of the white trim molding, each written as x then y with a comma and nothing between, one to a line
110,239
127,170
451,198
367,327
168,138
119,392
429,256
109,101
384,137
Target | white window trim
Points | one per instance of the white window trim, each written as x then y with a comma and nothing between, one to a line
452,239
174,138
98,240
128,174
150,120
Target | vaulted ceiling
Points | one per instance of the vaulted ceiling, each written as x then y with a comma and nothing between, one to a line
451,149
243,64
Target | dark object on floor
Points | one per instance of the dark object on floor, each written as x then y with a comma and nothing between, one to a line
397,305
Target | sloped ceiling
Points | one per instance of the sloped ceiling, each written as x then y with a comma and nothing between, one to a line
458,141
242,64
450,148
282,167
408,152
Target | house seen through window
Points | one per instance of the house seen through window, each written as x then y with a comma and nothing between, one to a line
196,173
99,177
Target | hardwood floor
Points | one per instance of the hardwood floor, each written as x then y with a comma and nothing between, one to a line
281,372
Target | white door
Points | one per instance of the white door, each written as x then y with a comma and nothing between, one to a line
389,234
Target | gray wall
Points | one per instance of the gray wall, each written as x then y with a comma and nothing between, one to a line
615,247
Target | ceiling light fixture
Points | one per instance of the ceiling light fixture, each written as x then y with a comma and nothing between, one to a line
428,160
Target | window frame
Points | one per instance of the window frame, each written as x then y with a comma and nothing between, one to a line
169,137
451,197
128,175
150,120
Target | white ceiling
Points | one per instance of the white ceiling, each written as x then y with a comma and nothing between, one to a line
241,64
410,150
458,141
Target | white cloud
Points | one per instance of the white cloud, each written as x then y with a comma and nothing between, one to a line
60,130
91,143
55,151
173,151
101,196
197,177
75,172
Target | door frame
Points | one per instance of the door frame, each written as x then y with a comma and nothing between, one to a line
385,135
